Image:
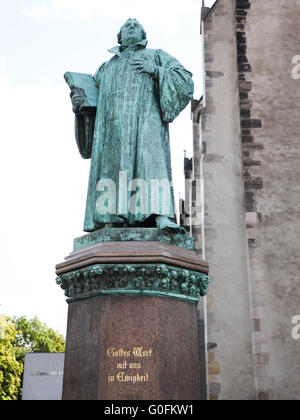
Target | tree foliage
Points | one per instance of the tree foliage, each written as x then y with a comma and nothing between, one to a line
19,336
35,337
10,368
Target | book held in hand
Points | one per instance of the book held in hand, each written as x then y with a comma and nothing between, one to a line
84,85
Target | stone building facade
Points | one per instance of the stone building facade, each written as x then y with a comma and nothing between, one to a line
247,156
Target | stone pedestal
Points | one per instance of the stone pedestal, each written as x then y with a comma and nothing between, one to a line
132,323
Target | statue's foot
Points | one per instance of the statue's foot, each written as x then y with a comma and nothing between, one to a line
164,223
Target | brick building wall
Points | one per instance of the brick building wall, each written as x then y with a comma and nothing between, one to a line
247,149
270,36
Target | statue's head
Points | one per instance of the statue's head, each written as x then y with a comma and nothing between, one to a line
131,33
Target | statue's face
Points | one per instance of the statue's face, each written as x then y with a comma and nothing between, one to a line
132,32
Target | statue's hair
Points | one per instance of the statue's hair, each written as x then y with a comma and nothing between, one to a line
144,35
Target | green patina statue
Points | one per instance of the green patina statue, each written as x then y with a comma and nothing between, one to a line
122,124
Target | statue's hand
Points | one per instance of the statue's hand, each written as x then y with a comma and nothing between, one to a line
145,66
77,102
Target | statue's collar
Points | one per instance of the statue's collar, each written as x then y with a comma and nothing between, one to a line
119,50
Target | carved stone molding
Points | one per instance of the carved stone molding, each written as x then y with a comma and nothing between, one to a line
133,253
134,279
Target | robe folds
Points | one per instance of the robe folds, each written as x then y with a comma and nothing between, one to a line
130,145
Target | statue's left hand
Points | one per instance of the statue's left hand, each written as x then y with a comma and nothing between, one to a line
77,102
145,66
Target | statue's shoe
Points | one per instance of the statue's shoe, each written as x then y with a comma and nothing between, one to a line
164,223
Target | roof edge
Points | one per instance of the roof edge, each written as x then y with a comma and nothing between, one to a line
205,12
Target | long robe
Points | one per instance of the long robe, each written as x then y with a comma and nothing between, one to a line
131,135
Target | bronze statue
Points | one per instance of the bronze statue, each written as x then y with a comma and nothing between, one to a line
122,124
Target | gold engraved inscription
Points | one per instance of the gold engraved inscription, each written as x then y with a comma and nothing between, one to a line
125,368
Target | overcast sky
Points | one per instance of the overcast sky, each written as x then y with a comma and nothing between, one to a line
43,178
